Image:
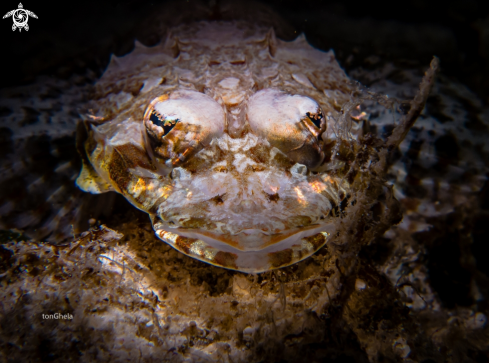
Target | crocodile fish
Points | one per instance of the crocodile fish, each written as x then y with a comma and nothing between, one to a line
247,152
239,146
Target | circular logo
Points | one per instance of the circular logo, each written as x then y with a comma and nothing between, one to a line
20,17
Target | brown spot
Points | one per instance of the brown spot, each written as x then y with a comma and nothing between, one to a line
134,156
317,240
253,168
118,172
300,221
217,199
328,151
195,164
282,162
272,197
238,62
197,223
184,243
226,259
257,168
134,88
259,154
221,169
280,258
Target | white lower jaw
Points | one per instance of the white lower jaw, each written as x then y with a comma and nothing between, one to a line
290,250
252,242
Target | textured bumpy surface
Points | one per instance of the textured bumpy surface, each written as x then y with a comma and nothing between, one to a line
237,144
241,147
215,132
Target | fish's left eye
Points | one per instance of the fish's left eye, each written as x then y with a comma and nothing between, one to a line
160,125
181,123
317,118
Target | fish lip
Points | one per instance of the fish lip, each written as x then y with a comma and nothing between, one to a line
293,249
254,231
224,242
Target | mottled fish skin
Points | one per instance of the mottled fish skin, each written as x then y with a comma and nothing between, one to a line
230,63
247,152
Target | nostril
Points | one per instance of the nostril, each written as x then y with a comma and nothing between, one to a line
218,199
273,197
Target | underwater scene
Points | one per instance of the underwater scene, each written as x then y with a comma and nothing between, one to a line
239,181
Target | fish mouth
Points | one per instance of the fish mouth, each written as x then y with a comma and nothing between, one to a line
249,251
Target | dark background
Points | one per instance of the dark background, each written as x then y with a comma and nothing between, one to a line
70,37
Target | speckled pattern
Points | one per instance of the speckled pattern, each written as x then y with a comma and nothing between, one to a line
133,297
250,170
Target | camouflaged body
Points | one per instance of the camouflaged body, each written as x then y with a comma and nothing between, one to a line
255,161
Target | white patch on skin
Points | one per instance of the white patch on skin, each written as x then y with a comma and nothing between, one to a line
241,162
120,99
127,131
151,83
181,174
302,79
270,181
229,83
226,143
299,169
185,74
270,72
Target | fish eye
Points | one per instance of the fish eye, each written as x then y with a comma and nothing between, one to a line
291,123
159,125
317,118
181,123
